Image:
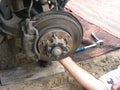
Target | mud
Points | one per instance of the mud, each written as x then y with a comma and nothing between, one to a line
97,66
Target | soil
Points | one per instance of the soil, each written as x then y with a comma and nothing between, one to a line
97,66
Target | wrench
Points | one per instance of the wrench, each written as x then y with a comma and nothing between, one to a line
97,43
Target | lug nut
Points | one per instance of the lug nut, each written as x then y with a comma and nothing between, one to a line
66,39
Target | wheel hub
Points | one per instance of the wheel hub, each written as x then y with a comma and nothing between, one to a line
57,51
59,34
55,44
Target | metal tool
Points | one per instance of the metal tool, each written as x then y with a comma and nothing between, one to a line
110,81
97,43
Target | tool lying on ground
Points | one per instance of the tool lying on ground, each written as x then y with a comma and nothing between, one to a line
97,43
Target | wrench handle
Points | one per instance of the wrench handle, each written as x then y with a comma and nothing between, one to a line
94,36
80,49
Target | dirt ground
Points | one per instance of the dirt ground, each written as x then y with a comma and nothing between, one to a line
97,66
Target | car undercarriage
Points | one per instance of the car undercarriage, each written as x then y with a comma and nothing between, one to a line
46,30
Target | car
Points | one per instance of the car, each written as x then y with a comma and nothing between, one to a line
44,29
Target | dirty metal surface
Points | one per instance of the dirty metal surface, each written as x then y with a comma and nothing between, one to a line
29,72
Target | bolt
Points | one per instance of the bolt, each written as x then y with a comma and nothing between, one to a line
44,43
66,39
52,39
49,48
55,35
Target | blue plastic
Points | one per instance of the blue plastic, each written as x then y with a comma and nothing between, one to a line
80,49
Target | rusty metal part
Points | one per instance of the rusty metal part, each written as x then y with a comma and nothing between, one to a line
60,33
54,35
55,43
